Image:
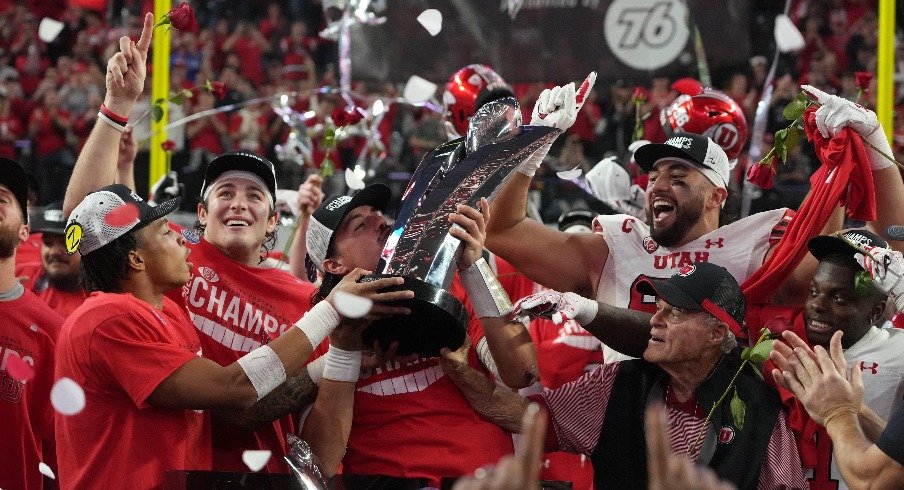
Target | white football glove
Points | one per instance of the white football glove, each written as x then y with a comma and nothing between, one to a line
836,113
556,306
887,272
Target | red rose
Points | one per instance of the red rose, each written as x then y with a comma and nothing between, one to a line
863,79
168,145
218,89
641,94
762,174
182,18
342,117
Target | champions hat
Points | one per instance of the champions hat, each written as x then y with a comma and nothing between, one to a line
13,176
702,286
825,245
325,221
49,219
708,157
109,213
242,161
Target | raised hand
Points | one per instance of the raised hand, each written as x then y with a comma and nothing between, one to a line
127,69
471,230
310,194
558,107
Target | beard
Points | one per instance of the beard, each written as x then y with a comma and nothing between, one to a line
9,240
685,218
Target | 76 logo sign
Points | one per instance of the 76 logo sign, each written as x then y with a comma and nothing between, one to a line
646,34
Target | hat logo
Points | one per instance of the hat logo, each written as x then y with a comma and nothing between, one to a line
857,238
55,215
686,270
650,245
73,237
338,202
726,435
136,196
682,142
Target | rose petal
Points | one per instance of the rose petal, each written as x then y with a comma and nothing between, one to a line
46,471
570,174
67,397
350,305
787,37
256,459
122,215
49,29
418,90
432,20
19,369
352,180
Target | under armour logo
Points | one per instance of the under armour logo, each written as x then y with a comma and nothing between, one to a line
873,367
718,243
686,270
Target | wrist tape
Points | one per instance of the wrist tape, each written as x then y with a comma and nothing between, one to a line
487,296
318,322
264,369
342,365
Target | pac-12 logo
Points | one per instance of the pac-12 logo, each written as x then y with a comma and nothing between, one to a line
649,244
646,34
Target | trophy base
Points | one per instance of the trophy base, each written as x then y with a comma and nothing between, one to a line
437,320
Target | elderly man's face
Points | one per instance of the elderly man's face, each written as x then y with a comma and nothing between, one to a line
679,336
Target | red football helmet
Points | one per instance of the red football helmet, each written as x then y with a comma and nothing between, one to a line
468,89
710,113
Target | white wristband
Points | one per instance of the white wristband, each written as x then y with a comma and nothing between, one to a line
877,160
264,369
487,296
318,322
315,369
342,365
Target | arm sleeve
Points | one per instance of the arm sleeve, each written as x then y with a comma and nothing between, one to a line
137,354
891,441
577,409
781,467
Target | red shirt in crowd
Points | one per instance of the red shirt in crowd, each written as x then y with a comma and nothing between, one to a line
11,129
208,138
119,349
26,416
59,300
49,138
29,251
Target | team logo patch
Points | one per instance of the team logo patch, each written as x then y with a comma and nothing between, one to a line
209,274
650,245
338,202
726,435
686,270
73,237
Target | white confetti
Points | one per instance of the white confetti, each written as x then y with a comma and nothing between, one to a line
46,471
570,174
256,459
49,29
350,305
787,37
352,180
432,20
418,90
67,397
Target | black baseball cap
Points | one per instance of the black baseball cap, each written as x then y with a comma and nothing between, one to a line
701,286
244,161
109,213
325,220
837,243
49,219
13,176
708,157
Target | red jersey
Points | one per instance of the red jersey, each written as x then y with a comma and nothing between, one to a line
119,349
207,138
26,417
235,309
413,421
59,300
30,250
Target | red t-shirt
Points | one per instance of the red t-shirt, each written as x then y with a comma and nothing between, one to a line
249,54
235,309
49,138
413,421
207,137
30,250
119,349
60,301
26,417
10,127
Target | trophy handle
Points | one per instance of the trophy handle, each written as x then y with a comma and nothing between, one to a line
305,466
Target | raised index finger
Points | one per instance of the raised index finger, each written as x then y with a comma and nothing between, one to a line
147,33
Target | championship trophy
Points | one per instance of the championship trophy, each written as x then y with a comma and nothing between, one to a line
420,248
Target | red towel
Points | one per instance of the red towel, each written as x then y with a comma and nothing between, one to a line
844,177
